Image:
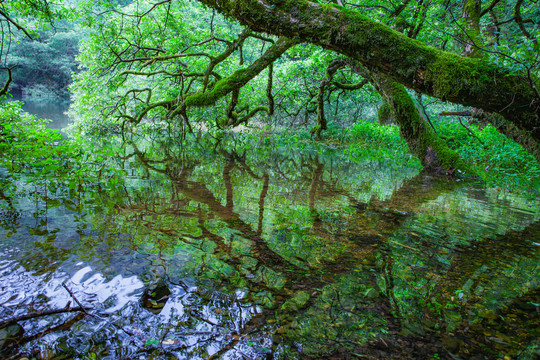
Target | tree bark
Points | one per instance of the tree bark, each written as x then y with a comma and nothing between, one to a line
472,10
447,76
421,139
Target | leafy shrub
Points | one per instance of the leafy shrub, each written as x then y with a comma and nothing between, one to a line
40,155
376,142
496,159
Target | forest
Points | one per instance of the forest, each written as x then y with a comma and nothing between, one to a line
269,179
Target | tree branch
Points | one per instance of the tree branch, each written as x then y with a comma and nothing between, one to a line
41,313
21,28
447,76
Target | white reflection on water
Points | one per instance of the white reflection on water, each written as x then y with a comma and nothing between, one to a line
120,290
20,287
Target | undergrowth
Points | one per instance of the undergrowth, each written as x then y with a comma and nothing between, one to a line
376,142
497,160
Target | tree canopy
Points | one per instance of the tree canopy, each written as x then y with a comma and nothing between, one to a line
170,60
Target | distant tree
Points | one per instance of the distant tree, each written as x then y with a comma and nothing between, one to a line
22,23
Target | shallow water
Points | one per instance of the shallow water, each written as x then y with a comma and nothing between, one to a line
281,254
51,109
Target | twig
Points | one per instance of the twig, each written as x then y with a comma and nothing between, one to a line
470,131
405,246
74,298
423,108
456,113
20,27
64,326
16,319
5,89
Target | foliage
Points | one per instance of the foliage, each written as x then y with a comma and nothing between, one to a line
38,47
45,161
498,160
44,65
380,143
156,73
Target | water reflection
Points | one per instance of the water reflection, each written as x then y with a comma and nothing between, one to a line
277,254
51,109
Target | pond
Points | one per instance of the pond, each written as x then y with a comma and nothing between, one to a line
271,253
51,109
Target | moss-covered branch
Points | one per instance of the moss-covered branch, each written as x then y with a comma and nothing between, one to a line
421,139
471,82
240,77
223,87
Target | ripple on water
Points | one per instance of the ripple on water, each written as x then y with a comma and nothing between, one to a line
23,291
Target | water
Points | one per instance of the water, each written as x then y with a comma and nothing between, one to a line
53,110
281,254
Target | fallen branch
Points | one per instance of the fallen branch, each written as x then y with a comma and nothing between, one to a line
66,309
74,298
456,113
64,326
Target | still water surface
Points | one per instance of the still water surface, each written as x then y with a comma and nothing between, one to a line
274,254
50,109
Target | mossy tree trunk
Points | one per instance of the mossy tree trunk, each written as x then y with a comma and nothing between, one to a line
473,45
385,114
447,76
421,139
471,14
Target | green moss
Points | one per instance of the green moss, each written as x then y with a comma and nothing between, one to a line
384,114
316,130
452,77
418,66
421,140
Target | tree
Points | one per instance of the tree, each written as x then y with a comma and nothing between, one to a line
150,73
21,21
433,72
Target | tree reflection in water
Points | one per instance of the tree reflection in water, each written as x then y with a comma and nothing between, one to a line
283,255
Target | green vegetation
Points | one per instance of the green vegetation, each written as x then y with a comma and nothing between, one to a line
44,65
38,160
498,160
269,178
39,45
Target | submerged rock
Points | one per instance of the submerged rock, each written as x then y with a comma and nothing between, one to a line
298,301
155,296
11,334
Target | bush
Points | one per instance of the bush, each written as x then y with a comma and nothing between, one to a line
382,143
496,159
